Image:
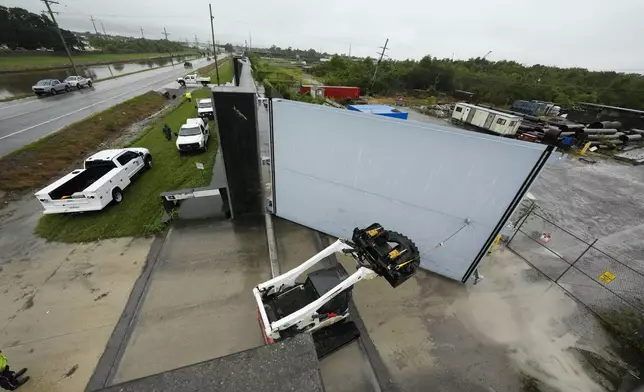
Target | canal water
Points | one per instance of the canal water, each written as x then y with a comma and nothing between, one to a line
19,83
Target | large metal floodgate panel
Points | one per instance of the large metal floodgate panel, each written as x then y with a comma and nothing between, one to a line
336,169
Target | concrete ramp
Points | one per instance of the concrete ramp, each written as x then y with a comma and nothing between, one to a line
291,365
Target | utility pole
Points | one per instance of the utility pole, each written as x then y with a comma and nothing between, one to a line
166,38
53,19
94,24
196,42
250,41
214,47
382,54
103,27
142,36
349,50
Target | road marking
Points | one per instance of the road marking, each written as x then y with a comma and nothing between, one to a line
77,110
81,109
33,100
80,98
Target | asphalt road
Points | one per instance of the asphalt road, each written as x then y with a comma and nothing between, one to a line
27,120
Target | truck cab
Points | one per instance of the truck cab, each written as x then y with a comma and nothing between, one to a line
193,135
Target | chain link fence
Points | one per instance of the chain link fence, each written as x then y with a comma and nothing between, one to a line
595,274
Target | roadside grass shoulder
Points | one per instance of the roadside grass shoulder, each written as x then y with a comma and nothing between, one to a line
225,71
140,213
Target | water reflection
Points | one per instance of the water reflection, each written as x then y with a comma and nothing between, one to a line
20,83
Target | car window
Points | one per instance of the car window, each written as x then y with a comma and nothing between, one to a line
54,82
126,157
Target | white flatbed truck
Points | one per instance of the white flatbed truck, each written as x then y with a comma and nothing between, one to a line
100,182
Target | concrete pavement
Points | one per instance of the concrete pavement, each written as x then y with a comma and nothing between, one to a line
60,302
27,120
199,304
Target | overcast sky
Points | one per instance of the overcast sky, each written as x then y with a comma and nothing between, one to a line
599,35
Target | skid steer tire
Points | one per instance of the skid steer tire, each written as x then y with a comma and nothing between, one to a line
393,236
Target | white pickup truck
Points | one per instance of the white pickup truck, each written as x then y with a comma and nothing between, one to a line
100,182
205,108
193,79
193,135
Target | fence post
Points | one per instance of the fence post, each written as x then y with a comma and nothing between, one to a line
525,218
576,260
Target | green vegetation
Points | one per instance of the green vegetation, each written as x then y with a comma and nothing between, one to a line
30,61
498,83
20,28
113,44
37,163
141,212
225,71
284,80
18,96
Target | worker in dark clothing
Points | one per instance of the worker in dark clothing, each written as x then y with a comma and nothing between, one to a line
167,132
8,379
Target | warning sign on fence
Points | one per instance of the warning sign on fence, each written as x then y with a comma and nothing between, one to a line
545,238
607,277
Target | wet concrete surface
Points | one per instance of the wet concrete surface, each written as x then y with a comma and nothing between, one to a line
60,302
281,367
199,304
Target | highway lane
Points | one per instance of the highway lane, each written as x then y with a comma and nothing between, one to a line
24,121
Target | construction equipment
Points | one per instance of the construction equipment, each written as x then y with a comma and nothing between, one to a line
320,305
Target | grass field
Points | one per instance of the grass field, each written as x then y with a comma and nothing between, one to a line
26,62
141,211
35,164
225,71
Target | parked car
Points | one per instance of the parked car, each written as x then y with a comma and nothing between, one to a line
79,81
50,86
193,135
205,109
102,180
193,79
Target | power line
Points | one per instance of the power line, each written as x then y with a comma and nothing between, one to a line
51,13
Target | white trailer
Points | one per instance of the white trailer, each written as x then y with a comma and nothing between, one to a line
487,119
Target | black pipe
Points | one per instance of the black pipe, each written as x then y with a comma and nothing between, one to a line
596,131
605,125
630,138
570,127
615,136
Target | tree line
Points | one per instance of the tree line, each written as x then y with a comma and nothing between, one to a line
118,44
20,28
493,82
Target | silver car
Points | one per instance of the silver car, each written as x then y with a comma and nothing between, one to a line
50,86
78,81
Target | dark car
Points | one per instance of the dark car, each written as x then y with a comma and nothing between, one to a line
187,64
50,86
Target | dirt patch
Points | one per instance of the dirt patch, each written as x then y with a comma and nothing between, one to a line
71,371
35,164
100,297
29,303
